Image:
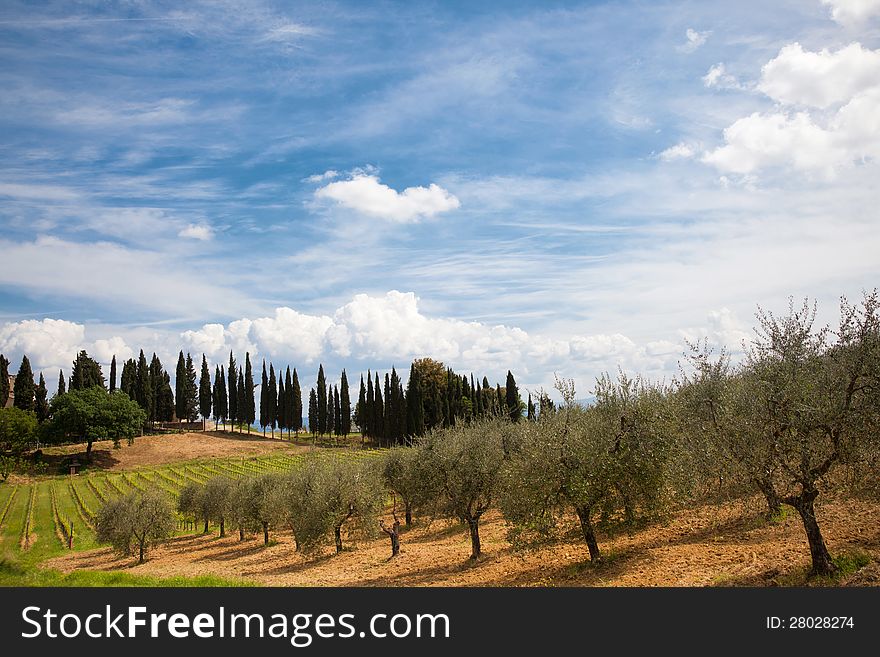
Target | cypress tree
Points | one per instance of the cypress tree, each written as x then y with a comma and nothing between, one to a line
344,405
157,385
361,407
378,411
313,411
41,400
23,389
415,413
331,412
205,391
86,372
143,392
272,402
128,380
501,403
165,400
113,374
291,421
513,402
221,408
4,380
249,391
241,402
281,405
392,409
192,391
180,388
264,399
62,389
531,410
337,410
297,412
233,391
369,427
322,400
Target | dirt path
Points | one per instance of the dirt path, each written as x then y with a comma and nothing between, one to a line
712,545
168,448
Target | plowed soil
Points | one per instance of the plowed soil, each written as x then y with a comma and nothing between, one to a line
728,545
167,448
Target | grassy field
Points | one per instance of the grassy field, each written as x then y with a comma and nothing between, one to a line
38,515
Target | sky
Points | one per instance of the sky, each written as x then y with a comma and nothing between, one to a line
554,188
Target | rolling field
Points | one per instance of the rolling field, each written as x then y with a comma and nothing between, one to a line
39,515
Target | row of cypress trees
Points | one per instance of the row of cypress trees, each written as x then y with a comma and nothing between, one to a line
435,396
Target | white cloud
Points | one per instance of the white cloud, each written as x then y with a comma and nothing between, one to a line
201,232
680,151
110,273
330,174
853,12
777,138
365,194
52,344
392,329
718,78
820,79
843,87
288,31
694,40
104,350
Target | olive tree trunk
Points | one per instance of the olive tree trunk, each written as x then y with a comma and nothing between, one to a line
474,528
805,506
583,513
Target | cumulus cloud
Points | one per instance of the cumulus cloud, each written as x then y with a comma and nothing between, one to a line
694,40
841,90
365,194
52,344
777,138
820,79
681,151
392,329
853,13
201,232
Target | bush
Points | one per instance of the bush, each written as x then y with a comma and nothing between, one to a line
135,522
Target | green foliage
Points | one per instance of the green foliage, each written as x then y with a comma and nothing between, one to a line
41,400
609,458
94,414
23,388
4,380
462,468
133,523
17,429
86,373
205,390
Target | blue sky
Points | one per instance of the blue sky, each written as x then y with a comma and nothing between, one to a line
548,187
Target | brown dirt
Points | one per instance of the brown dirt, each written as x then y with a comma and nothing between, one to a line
168,448
727,544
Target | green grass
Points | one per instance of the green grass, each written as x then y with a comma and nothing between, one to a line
21,567
16,574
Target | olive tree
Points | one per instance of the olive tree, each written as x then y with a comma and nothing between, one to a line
217,492
192,503
259,498
135,522
610,457
349,491
811,403
403,472
299,504
237,511
17,429
462,465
